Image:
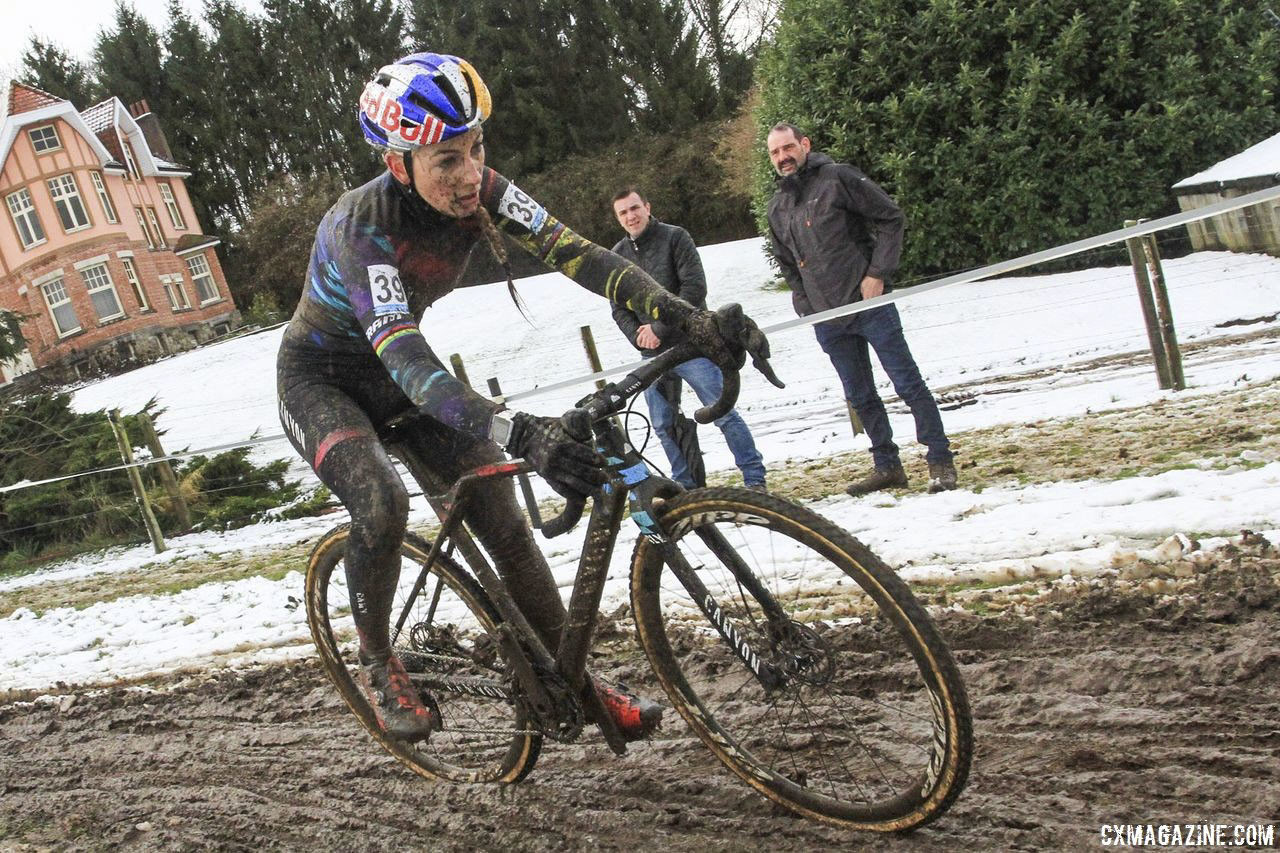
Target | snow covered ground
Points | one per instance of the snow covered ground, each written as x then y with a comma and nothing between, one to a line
975,335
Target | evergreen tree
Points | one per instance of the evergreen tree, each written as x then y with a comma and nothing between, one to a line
517,46
190,115
11,340
128,61
553,68
659,57
1007,126
373,34
243,135
325,51
46,66
716,20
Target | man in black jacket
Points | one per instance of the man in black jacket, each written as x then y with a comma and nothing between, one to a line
667,253
837,237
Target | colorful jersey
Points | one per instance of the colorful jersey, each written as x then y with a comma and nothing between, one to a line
382,256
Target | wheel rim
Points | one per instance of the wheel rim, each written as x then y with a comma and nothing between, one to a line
448,650
858,733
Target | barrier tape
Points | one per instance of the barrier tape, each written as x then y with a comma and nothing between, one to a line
1117,236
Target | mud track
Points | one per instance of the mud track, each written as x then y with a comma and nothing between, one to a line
1109,702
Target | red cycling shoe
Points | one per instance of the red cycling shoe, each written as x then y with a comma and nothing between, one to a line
636,717
396,702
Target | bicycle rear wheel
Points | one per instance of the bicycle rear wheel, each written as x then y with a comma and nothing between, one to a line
448,646
838,700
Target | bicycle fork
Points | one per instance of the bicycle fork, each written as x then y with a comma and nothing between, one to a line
770,676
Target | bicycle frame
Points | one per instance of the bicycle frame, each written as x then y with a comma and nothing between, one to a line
632,487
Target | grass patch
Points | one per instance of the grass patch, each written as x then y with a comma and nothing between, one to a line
155,579
1187,432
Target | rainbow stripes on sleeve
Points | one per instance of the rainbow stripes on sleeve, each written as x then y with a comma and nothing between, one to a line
385,337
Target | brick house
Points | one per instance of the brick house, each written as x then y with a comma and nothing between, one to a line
100,249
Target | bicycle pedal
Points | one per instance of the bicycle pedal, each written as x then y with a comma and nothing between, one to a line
434,707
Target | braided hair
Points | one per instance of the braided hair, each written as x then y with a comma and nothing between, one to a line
493,237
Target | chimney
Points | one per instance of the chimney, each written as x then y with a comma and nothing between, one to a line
150,127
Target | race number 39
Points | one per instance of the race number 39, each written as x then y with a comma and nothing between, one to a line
517,206
388,292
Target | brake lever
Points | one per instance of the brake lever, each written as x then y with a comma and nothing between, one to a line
748,335
761,363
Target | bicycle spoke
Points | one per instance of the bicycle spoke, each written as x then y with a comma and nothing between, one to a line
850,717
445,643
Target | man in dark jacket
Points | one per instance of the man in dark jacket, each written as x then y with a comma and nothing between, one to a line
837,237
667,253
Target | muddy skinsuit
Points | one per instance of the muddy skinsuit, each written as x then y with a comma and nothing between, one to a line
353,356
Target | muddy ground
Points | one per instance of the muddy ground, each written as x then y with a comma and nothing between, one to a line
1145,700
1111,702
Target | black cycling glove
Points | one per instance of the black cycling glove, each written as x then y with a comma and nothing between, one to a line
569,466
726,336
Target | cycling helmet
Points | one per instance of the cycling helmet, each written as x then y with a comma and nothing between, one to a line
422,99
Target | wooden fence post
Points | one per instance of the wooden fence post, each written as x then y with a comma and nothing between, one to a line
593,357
1137,257
459,371
526,490
1173,355
854,419
135,479
167,477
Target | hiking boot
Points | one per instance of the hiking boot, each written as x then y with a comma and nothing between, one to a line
396,703
635,716
881,478
758,487
942,477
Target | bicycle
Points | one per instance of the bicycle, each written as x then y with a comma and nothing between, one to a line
842,703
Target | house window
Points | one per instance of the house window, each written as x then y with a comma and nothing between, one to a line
175,215
64,316
174,290
66,198
131,273
24,218
202,276
129,161
102,292
146,232
44,138
155,225
107,207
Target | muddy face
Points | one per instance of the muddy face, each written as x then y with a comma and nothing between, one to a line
447,175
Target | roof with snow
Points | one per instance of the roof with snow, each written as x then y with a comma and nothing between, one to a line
99,116
1257,161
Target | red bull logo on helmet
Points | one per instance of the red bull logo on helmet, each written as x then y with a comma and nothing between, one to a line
381,108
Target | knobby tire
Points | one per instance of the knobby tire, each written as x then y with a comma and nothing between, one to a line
873,731
484,739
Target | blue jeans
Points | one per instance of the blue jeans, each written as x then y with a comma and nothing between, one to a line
704,378
845,341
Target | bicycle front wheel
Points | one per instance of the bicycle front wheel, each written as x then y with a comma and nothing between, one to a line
802,661
448,647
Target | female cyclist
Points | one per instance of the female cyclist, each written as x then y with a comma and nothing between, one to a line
354,356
